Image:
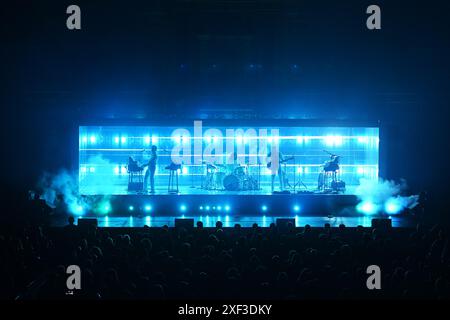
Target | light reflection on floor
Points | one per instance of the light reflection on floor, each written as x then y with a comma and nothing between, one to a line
188,190
247,221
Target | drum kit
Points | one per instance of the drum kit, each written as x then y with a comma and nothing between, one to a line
236,177
230,177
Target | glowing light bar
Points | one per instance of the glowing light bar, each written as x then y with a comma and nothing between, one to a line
367,207
363,139
177,139
106,208
77,209
393,206
331,140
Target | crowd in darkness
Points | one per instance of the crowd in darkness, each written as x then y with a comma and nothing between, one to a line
216,263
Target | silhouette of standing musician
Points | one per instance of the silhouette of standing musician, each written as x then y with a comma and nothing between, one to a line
150,173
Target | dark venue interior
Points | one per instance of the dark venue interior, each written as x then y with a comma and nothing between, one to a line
157,65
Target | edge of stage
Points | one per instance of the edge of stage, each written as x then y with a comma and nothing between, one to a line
307,204
245,222
139,210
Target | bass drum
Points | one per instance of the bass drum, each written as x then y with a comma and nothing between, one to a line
231,183
250,184
218,179
240,171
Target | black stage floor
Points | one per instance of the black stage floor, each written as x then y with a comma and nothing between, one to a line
273,205
244,221
158,210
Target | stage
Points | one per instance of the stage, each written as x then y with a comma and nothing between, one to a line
308,204
199,191
245,221
224,169
228,159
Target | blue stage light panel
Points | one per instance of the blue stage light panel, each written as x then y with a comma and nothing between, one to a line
176,139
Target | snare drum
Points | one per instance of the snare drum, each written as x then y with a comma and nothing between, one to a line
240,171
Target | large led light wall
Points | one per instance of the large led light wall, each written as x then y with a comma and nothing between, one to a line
104,153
